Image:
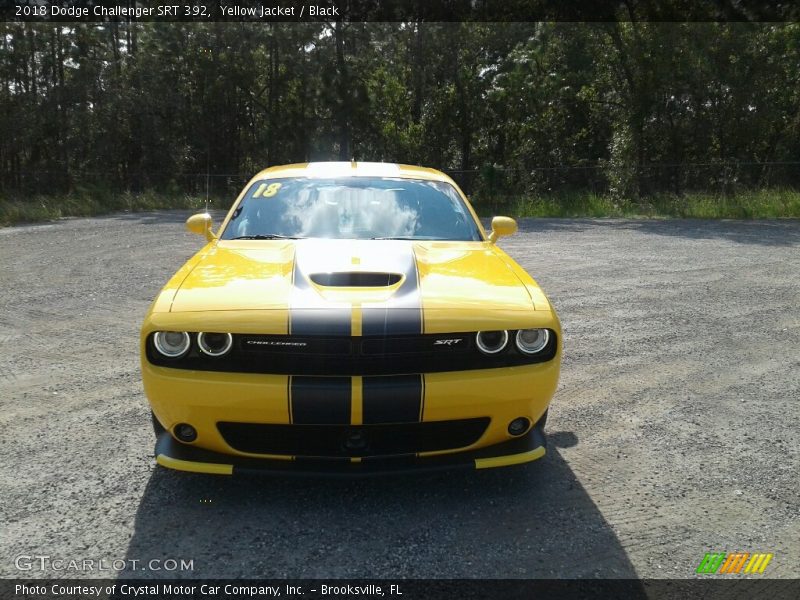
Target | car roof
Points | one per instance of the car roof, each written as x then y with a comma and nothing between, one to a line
351,169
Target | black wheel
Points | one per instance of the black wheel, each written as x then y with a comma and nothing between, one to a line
158,428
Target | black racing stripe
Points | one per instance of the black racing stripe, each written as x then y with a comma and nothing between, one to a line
392,399
320,400
310,314
389,320
403,313
321,321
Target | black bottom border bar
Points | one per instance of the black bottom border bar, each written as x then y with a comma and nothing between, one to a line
399,589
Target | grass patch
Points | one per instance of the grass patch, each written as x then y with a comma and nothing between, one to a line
755,204
88,203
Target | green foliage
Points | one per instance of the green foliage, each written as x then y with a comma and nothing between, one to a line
87,203
760,204
623,113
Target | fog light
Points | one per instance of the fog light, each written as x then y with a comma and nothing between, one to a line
185,432
519,426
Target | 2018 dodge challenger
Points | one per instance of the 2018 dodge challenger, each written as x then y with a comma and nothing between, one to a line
349,318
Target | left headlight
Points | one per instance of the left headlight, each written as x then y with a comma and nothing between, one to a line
532,341
491,342
172,344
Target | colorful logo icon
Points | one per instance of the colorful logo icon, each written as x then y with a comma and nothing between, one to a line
734,562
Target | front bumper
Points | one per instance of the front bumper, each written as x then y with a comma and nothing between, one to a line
174,455
206,400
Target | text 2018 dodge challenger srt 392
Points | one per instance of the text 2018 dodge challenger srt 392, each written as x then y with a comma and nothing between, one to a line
349,318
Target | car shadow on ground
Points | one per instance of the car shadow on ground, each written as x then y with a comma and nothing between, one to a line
533,521
775,232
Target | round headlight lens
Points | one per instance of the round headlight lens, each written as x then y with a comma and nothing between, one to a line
491,342
532,341
172,344
215,344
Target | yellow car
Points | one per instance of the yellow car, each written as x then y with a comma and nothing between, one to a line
349,318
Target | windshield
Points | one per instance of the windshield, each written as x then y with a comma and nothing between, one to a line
352,208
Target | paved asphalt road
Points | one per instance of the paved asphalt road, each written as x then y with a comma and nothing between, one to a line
674,431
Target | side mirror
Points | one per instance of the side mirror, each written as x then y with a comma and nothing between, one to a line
201,225
502,226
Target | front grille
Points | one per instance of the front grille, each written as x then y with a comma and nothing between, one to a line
339,441
297,345
348,356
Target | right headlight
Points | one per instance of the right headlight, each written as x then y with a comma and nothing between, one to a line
215,344
491,342
172,344
532,341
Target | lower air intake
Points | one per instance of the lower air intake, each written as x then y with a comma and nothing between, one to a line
339,440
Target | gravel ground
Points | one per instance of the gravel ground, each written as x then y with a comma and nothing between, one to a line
673,433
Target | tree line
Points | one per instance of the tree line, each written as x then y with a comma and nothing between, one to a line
628,108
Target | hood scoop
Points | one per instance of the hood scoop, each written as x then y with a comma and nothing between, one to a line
355,279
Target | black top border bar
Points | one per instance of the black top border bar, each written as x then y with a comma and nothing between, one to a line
398,10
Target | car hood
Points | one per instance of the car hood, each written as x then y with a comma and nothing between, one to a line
381,278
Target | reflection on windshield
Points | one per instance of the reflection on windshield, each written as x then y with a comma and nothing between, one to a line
352,208
342,210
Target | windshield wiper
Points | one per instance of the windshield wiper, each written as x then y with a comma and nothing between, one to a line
267,236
